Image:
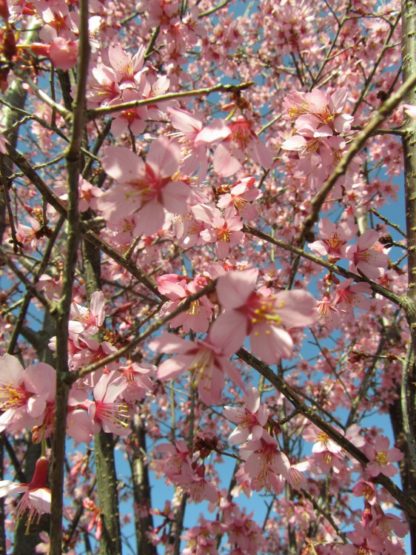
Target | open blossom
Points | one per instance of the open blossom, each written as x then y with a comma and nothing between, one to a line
145,189
319,110
174,461
319,123
260,314
381,457
36,498
241,196
24,393
203,358
250,419
349,295
124,72
333,239
242,141
196,139
223,229
265,464
139,380
177,288
326,453
367,255
90,319
109,411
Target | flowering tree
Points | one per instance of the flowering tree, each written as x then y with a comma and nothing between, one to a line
208,301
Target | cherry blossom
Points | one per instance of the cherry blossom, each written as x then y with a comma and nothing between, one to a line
260,315
36,498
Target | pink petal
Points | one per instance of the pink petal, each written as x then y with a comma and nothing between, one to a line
121,164
294,143
11,371
171,368
169,344
225,164
297,308
7,487
164,157
184,121
150,218
229,331
235,287
215,131
252,400
270,344
36,406
40,378
40,500
174,197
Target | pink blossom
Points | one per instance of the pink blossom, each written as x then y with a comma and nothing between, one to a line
36,498
63,53
145,189
240,196
107,411
381,457
349,295
265,464
196,139
224,230
203,358
139,381
259,314
177,288
333,239
242,140
367,255
24,393
250,420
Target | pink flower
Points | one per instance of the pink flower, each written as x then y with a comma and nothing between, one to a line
349,295
381,457
144,188
174,461
201,357
251,418
224,230
317,109
24,393
88,320
107,411
229,154
36,498
196,139
367,256
63,53
139,381
259,314
177,288
265,463
131,120
127,68
240,196
333,239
